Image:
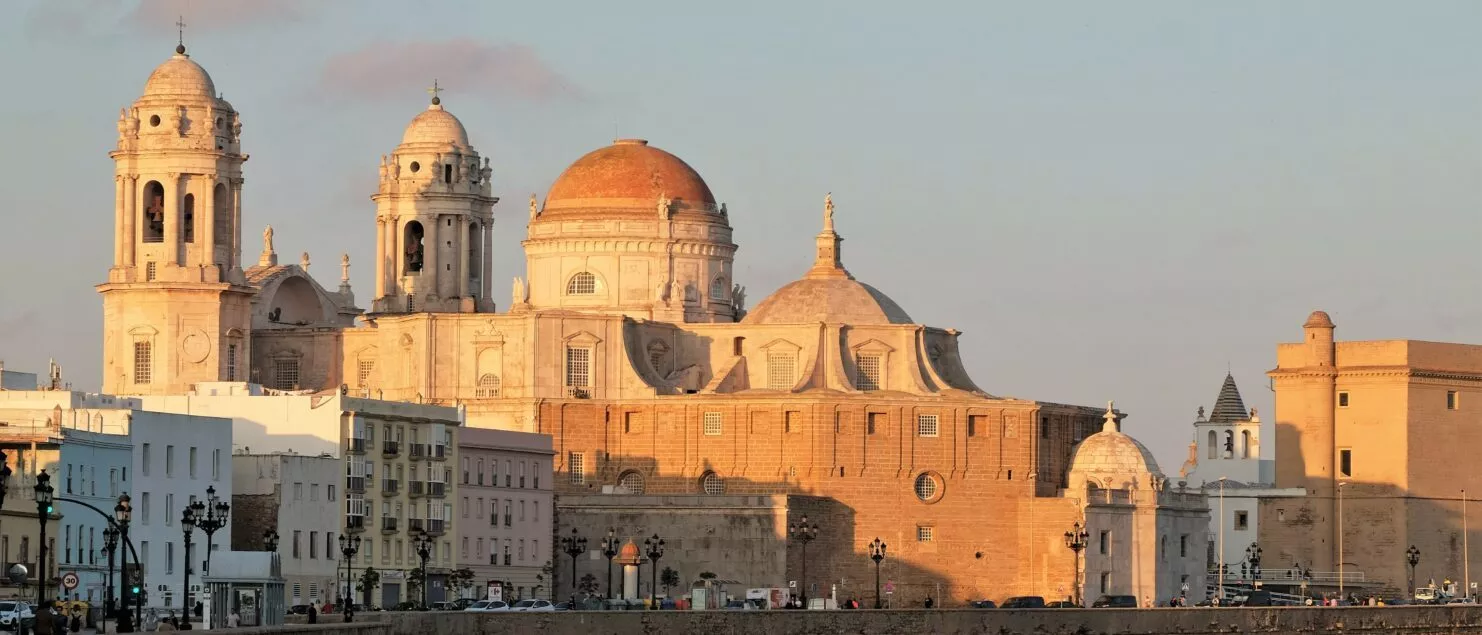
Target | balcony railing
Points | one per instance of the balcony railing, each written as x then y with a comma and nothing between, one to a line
389,487
436,525
357,446
388,523
355,483
355,522
439,451
437,489
414,525
415,488
390,448
418,450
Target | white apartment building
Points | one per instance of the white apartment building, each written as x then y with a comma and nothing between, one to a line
505,510
298,497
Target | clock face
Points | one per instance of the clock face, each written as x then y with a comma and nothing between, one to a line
196,346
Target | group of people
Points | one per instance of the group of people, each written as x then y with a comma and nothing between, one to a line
51,621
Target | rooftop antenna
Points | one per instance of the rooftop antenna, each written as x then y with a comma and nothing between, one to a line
180,35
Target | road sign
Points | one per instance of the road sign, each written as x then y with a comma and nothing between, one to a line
69,580
889,586
792,584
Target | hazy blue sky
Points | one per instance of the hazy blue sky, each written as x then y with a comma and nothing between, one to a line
1113,200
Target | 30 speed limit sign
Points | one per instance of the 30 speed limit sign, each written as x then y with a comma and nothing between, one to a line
69,580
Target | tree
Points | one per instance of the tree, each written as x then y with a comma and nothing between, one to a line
461,580
668,578
707,575
414,587
587,584
545,572
368,581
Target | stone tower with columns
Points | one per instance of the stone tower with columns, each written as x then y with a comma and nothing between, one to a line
176,304
434,220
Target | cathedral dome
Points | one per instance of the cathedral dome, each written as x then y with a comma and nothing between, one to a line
629,173
180,75
831,300
435,125
1110,452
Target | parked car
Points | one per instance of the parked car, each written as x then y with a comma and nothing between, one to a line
563,606
298,609
1115,602
1254,598
533,605
1024,602
13,612
463,603
1061,604
983,604
487,605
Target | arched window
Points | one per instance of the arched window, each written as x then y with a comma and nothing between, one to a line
152,225
488,386
718,288
632,481
222,209
583,283
188,218
1245,444
1213,445
711,484
475,264
412,249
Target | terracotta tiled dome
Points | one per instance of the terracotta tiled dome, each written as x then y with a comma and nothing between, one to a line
435,125
629,173
180,75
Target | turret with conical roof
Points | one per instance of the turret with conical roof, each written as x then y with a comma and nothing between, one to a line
1228,406
1227,441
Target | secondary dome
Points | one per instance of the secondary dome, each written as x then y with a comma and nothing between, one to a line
1113,453
629,173
180,75
832,300
435,125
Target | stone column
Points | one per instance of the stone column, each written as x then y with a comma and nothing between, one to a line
486,257
430,266
460,245
130,211
380,260
120,187
172,219
208,220
236,186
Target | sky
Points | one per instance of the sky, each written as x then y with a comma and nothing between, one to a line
1113,201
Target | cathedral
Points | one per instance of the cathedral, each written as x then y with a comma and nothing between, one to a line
629,342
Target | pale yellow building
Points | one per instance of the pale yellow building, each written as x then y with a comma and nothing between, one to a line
1380,434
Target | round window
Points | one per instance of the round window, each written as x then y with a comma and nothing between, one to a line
219,123
154,120
415,167
928,487
712,484
633,482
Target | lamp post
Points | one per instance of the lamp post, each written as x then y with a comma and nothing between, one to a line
210,516
123,512
423,544
1253,556
1220,550
43,512
349,546
1075,539
1412,556
877,553
110,542
805,534
655,547
1341,485
187,527
270,540
574,545
610,549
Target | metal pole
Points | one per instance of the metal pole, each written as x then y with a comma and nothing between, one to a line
1220,556
1340,539
185,590
805,574
877,584
41,582
1466,556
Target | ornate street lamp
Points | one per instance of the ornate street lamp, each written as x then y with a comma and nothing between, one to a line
1412,556
877,553
1075,539
1253,556
349,546
804,533
270,540
610,549
187,527
123,512
655,546
110,543
423,544
43,512
210,516
574,545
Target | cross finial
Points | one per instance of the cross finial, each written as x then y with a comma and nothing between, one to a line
434,91
180,32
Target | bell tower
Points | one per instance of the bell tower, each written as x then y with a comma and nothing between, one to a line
434,220
176,306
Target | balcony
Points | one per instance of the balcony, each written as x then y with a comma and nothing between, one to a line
415,488
355,483
355,523
390,448
418,450
357,446
440,452
388,524
389,487
436,526
414,525
436,489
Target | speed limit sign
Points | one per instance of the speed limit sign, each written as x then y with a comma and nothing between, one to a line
69,580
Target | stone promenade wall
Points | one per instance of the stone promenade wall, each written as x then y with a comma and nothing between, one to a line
1425,620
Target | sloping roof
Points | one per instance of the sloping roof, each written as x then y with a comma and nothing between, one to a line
1229,407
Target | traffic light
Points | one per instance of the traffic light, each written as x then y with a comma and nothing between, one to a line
133,585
